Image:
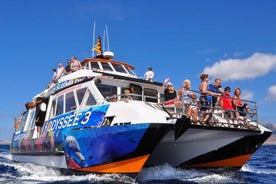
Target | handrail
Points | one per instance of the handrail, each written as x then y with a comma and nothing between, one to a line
218,117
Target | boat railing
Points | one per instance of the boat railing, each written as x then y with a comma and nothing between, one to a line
219,116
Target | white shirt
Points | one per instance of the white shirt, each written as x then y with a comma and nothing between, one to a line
149,75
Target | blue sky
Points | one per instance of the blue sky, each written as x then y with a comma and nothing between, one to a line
234,40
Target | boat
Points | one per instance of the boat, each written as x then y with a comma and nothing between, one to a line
84,123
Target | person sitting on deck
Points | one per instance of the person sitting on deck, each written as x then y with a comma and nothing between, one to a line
126,96
217,90
240,106
188,99
226,103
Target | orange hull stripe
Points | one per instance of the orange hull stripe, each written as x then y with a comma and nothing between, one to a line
133,165
238,161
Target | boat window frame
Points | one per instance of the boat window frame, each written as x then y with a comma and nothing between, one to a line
66,100
106,69
149,97
119,68
30,122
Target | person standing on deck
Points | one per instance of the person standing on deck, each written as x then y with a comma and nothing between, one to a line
60,71
148,76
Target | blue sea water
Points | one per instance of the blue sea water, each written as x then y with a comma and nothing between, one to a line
261,168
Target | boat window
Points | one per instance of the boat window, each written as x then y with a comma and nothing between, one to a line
90,100
106,67
70,103
119,68
107,90
130,71
30,119
80,94
20,123
95,66
136,91
59,108
52,111
151,95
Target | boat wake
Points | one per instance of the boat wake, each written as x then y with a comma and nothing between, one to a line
12,172
168,174
15,173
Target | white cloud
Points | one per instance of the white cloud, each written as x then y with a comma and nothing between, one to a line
257,65
271,93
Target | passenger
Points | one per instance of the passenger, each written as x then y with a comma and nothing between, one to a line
205,99
217,91
226,102
60,71
185,95
112,98
194,108
68,67
149,75
126,95
75,64
240,106
50,84
169,91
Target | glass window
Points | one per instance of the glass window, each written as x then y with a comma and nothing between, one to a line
107,90
90,100
52,111
95,66
106,67
119,68
29,124
131,72
80,94
151,95
59,108
70,102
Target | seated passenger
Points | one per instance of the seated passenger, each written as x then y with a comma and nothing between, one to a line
240,106
226,103
112,98
126,95
194,106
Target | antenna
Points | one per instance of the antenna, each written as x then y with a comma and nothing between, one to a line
107,40
107,54
104,41
93,44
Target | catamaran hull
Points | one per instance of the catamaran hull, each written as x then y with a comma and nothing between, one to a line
207,147
111,149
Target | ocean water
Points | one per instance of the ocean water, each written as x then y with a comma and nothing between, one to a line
261,168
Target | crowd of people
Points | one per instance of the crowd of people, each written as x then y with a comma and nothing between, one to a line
211,95
72,66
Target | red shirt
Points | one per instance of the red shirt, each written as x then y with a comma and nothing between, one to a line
226,101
